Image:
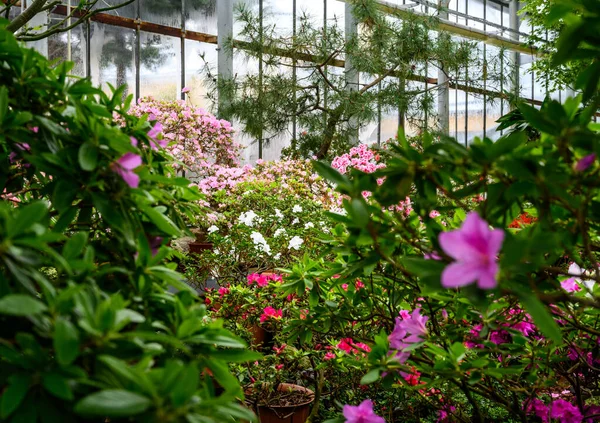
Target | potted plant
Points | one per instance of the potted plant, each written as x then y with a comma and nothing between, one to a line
274,392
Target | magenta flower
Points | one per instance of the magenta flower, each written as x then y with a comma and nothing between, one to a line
585,162
409,329
538,408
362,413
271,313
475,248
570,285
124,168
565,412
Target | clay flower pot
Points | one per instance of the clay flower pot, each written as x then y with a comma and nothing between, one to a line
286,413
262,337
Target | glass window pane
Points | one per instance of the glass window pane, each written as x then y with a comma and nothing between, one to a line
112,56
160,73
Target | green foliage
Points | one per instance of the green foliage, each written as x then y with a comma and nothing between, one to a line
90,326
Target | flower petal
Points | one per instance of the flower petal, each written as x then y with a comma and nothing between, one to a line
460,274
130,178
130,161
454,245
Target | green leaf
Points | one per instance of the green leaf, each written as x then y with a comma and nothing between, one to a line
3,102
88,156
28,215
66,341
74,245
113,403
64,193
161,221
370,377
57,385
329,173
541,317
538,120
186,386
13,395
359,213
21,305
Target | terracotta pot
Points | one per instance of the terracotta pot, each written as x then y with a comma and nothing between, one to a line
262,337
286,414
199,247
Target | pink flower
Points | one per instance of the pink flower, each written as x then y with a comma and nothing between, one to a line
433,256
359,284
156,130
271,313
585,162
279,367
408,330
538,408
475,248
570,285
565,412
345,286
329,356
223,291
185,90
361,414
124,168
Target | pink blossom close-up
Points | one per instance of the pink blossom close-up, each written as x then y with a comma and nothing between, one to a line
125,166
362,413
475,248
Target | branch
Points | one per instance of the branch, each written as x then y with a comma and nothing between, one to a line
35,8
83,16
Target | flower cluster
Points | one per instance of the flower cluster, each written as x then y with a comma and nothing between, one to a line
195,137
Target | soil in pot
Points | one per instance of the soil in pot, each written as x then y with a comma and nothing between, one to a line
288,404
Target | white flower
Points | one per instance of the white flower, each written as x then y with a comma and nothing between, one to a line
295,243
309,225
574,269
248,218
260,242
212,229
297,209
295,221
279,232
277,256
278,214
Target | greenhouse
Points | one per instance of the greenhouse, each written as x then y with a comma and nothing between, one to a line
299,211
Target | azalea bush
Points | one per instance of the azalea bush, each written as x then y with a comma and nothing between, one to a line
200,142
492,316
255,229
95,323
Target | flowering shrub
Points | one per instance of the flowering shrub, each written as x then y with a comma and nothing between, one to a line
90,326
486,319
193,136
257,229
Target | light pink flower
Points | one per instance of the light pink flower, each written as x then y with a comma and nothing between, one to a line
362,413
475,248
185,90
124,168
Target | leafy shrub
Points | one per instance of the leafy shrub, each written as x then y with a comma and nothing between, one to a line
89,325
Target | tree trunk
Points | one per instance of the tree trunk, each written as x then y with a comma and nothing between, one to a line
329,133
